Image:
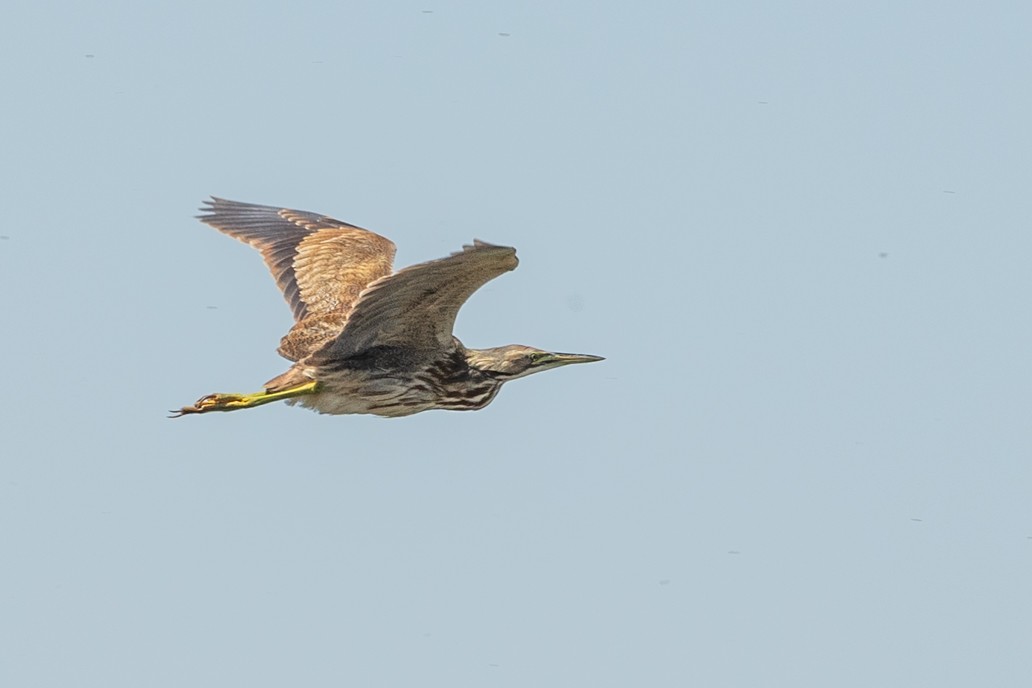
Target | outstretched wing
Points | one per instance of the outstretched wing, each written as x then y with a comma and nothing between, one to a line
320,264
415,308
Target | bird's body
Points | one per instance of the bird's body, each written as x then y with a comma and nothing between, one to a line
366,340
391,382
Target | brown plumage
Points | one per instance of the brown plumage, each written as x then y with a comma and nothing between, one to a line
320,264
365,340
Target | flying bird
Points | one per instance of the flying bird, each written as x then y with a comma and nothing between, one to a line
366,339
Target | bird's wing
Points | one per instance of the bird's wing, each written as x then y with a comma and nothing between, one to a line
416,307
320,264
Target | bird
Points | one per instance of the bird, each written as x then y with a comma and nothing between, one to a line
366,339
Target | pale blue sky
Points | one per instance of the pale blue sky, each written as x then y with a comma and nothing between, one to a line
798,231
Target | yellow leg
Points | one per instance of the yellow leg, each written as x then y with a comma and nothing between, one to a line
234,402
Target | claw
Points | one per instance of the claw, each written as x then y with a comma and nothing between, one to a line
211,402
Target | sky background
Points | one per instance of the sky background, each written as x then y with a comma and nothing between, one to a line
798,232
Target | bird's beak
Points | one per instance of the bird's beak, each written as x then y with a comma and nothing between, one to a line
566,359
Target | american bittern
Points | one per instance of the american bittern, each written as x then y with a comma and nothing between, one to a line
365,340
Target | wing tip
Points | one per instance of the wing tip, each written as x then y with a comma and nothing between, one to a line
483,246
507,253
215,204
210,207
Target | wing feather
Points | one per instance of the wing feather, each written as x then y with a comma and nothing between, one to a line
416,307
319,263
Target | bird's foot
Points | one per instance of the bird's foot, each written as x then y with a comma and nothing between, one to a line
217,402
234,402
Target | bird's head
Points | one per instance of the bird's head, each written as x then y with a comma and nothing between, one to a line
513,361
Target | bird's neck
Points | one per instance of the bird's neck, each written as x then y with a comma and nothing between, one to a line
479,361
